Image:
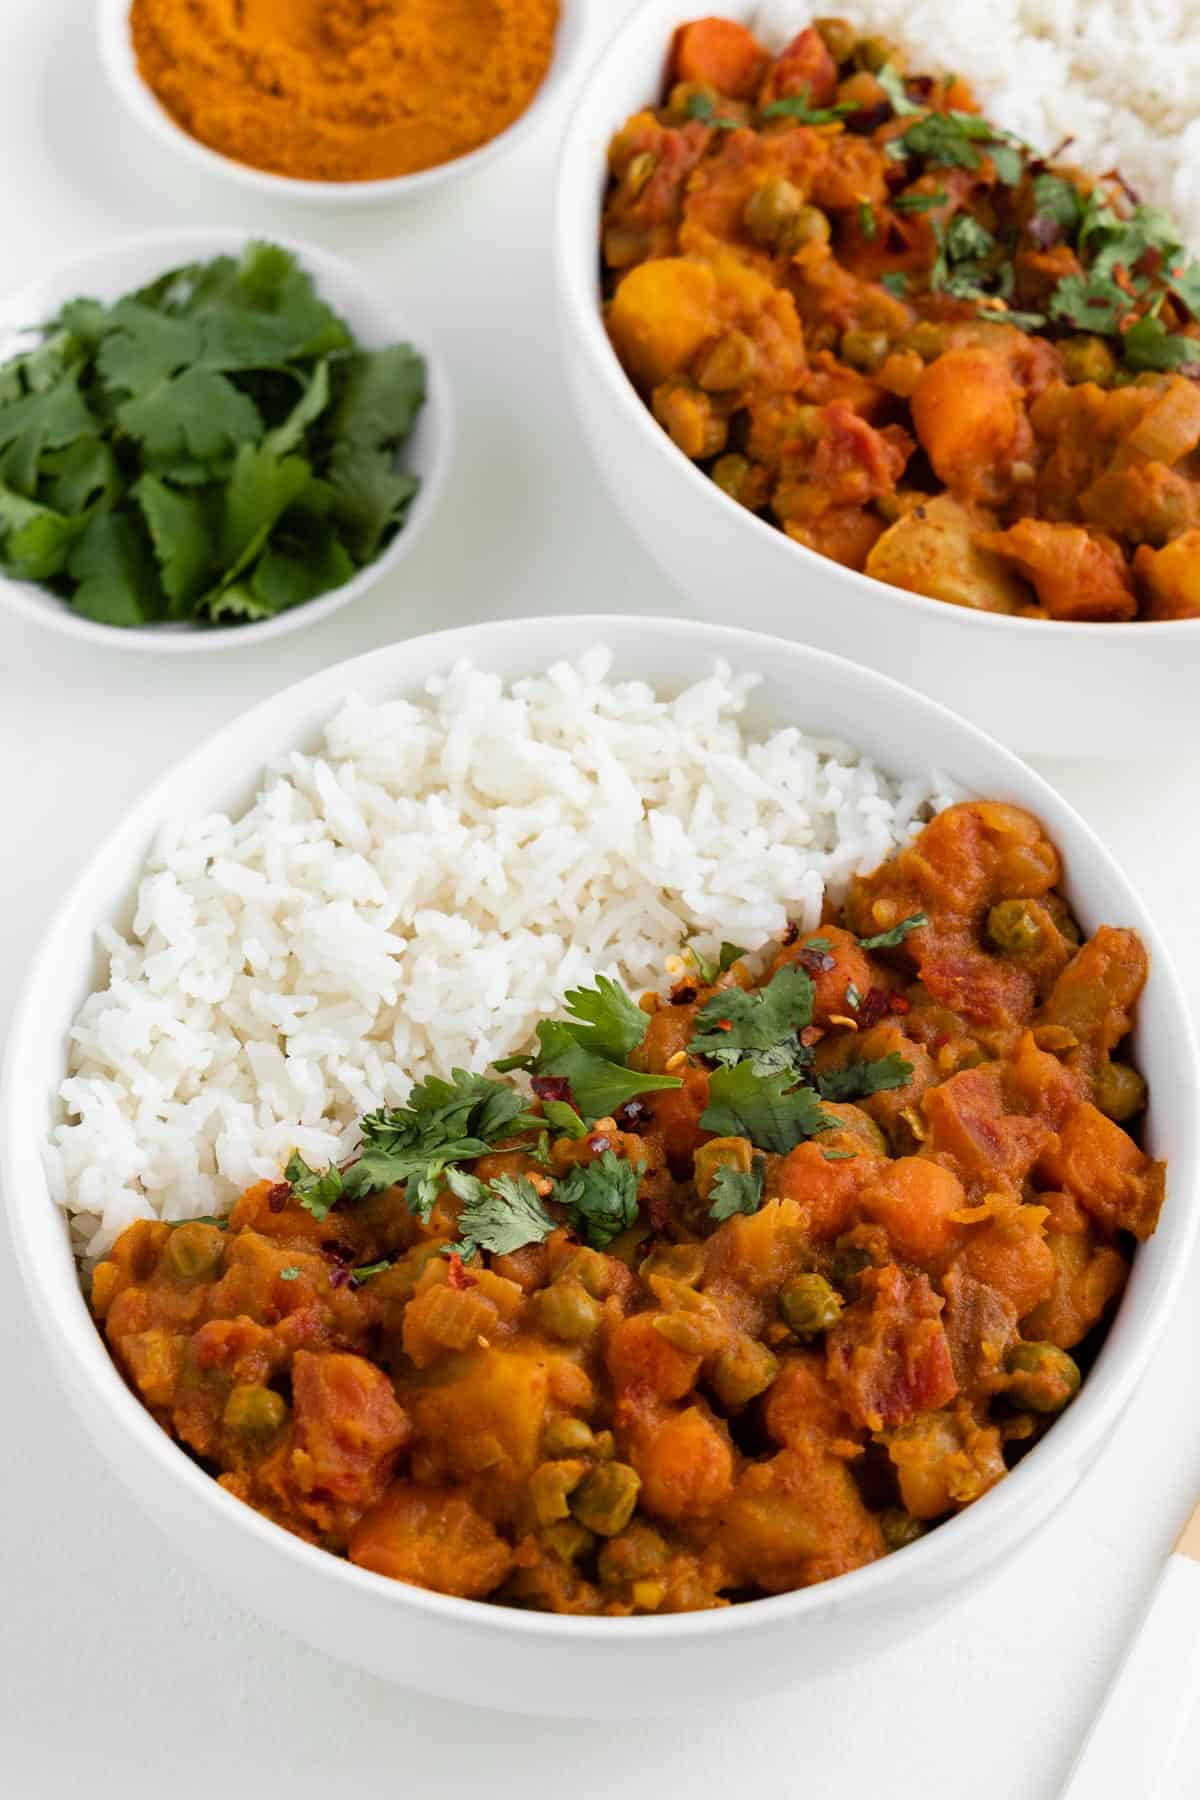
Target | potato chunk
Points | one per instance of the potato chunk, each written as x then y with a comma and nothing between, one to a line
1078,574
661,315
934,550
1170,577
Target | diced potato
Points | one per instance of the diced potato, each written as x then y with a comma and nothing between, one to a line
1170,577
969,414
661,314
934,550
1078,574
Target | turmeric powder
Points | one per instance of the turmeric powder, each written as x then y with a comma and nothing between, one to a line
344,90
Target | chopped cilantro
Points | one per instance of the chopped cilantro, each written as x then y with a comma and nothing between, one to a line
1008,160
730,953
317,1191
700,106
500,1216
736,1192
734,1024
767,1109
444,1122
866,220
860,1079
215,446
896,283
945,139
892,83
839,1155
601,1198
920,203
1058,200
799,107
888,940
564,1118
607,1020
291,1273
1090,302
1149,345
853,997
365,1271
598,1084
705,967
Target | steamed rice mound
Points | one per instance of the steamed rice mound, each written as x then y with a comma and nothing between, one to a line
419,893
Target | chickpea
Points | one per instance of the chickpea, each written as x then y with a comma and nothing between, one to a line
810,226
689,419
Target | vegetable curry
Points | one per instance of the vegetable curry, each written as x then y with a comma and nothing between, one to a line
892,330
773,1274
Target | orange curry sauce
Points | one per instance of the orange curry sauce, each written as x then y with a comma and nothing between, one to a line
712,1409
904,339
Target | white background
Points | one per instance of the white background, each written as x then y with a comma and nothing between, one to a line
121,1673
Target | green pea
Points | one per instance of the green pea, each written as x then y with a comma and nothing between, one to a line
771,210
566,1436
566,1311
838,36
899,1527
1013,927
194,1251
254,1411
809,1304
1042,1377
742,1371
605,1499
865,350
1120,1091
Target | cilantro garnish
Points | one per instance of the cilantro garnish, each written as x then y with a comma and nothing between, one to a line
860,1079
892,83
1149,345
501,1216
866,220
316,1190
799,107
601,1198
733,1024
700,106
564,1118
1058,200
888,940
291,1273
730,953
734,1192
920,203
768,1109
365,1271
444,1122
946,139
608,1021
896,283
839,1155
598,1084
1008,160
200,1219
215,446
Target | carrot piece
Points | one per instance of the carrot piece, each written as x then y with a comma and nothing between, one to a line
719,54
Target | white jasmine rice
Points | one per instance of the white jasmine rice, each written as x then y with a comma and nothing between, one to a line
1121,78
417,895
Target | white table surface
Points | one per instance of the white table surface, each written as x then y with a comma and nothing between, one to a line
121,1672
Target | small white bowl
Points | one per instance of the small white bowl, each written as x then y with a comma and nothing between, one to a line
120,64
122,267
1038,684
495,1655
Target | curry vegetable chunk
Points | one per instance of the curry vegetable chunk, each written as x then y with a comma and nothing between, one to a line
901,336
840,1254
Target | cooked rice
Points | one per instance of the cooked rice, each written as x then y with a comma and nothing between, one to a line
1119,77
417,895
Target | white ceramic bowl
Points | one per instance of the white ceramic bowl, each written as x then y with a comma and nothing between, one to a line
120,64
489,1654
1040,685
120,268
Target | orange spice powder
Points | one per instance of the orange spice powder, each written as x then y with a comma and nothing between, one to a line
344,90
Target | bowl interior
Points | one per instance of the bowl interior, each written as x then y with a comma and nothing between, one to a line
116,49
903,731
117,269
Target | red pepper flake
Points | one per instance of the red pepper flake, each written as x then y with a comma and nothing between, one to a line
792,932
460,1277
877,1004
659,1208
279,1195
724,1025
900,1003
553,1087
683,996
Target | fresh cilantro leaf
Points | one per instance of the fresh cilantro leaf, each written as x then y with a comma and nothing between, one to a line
1008,160
945,139
599,1085
181,530
700,106
115,568
767,1109
839,1155
860,1079
601,1198
80,473
799,107
609,1022
380,393
920,203
888,940
1149,345
195,414
145,347
895,282
444,1122
307,410
261,488
291,1273
35,541
892,83
564,1118
316,1190
500,1217
706,969
734,1192
365,1271
967,239
305,558
734,1024
503,1064
371,496
730,953
1092,303
1058,200
866,220
39,421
